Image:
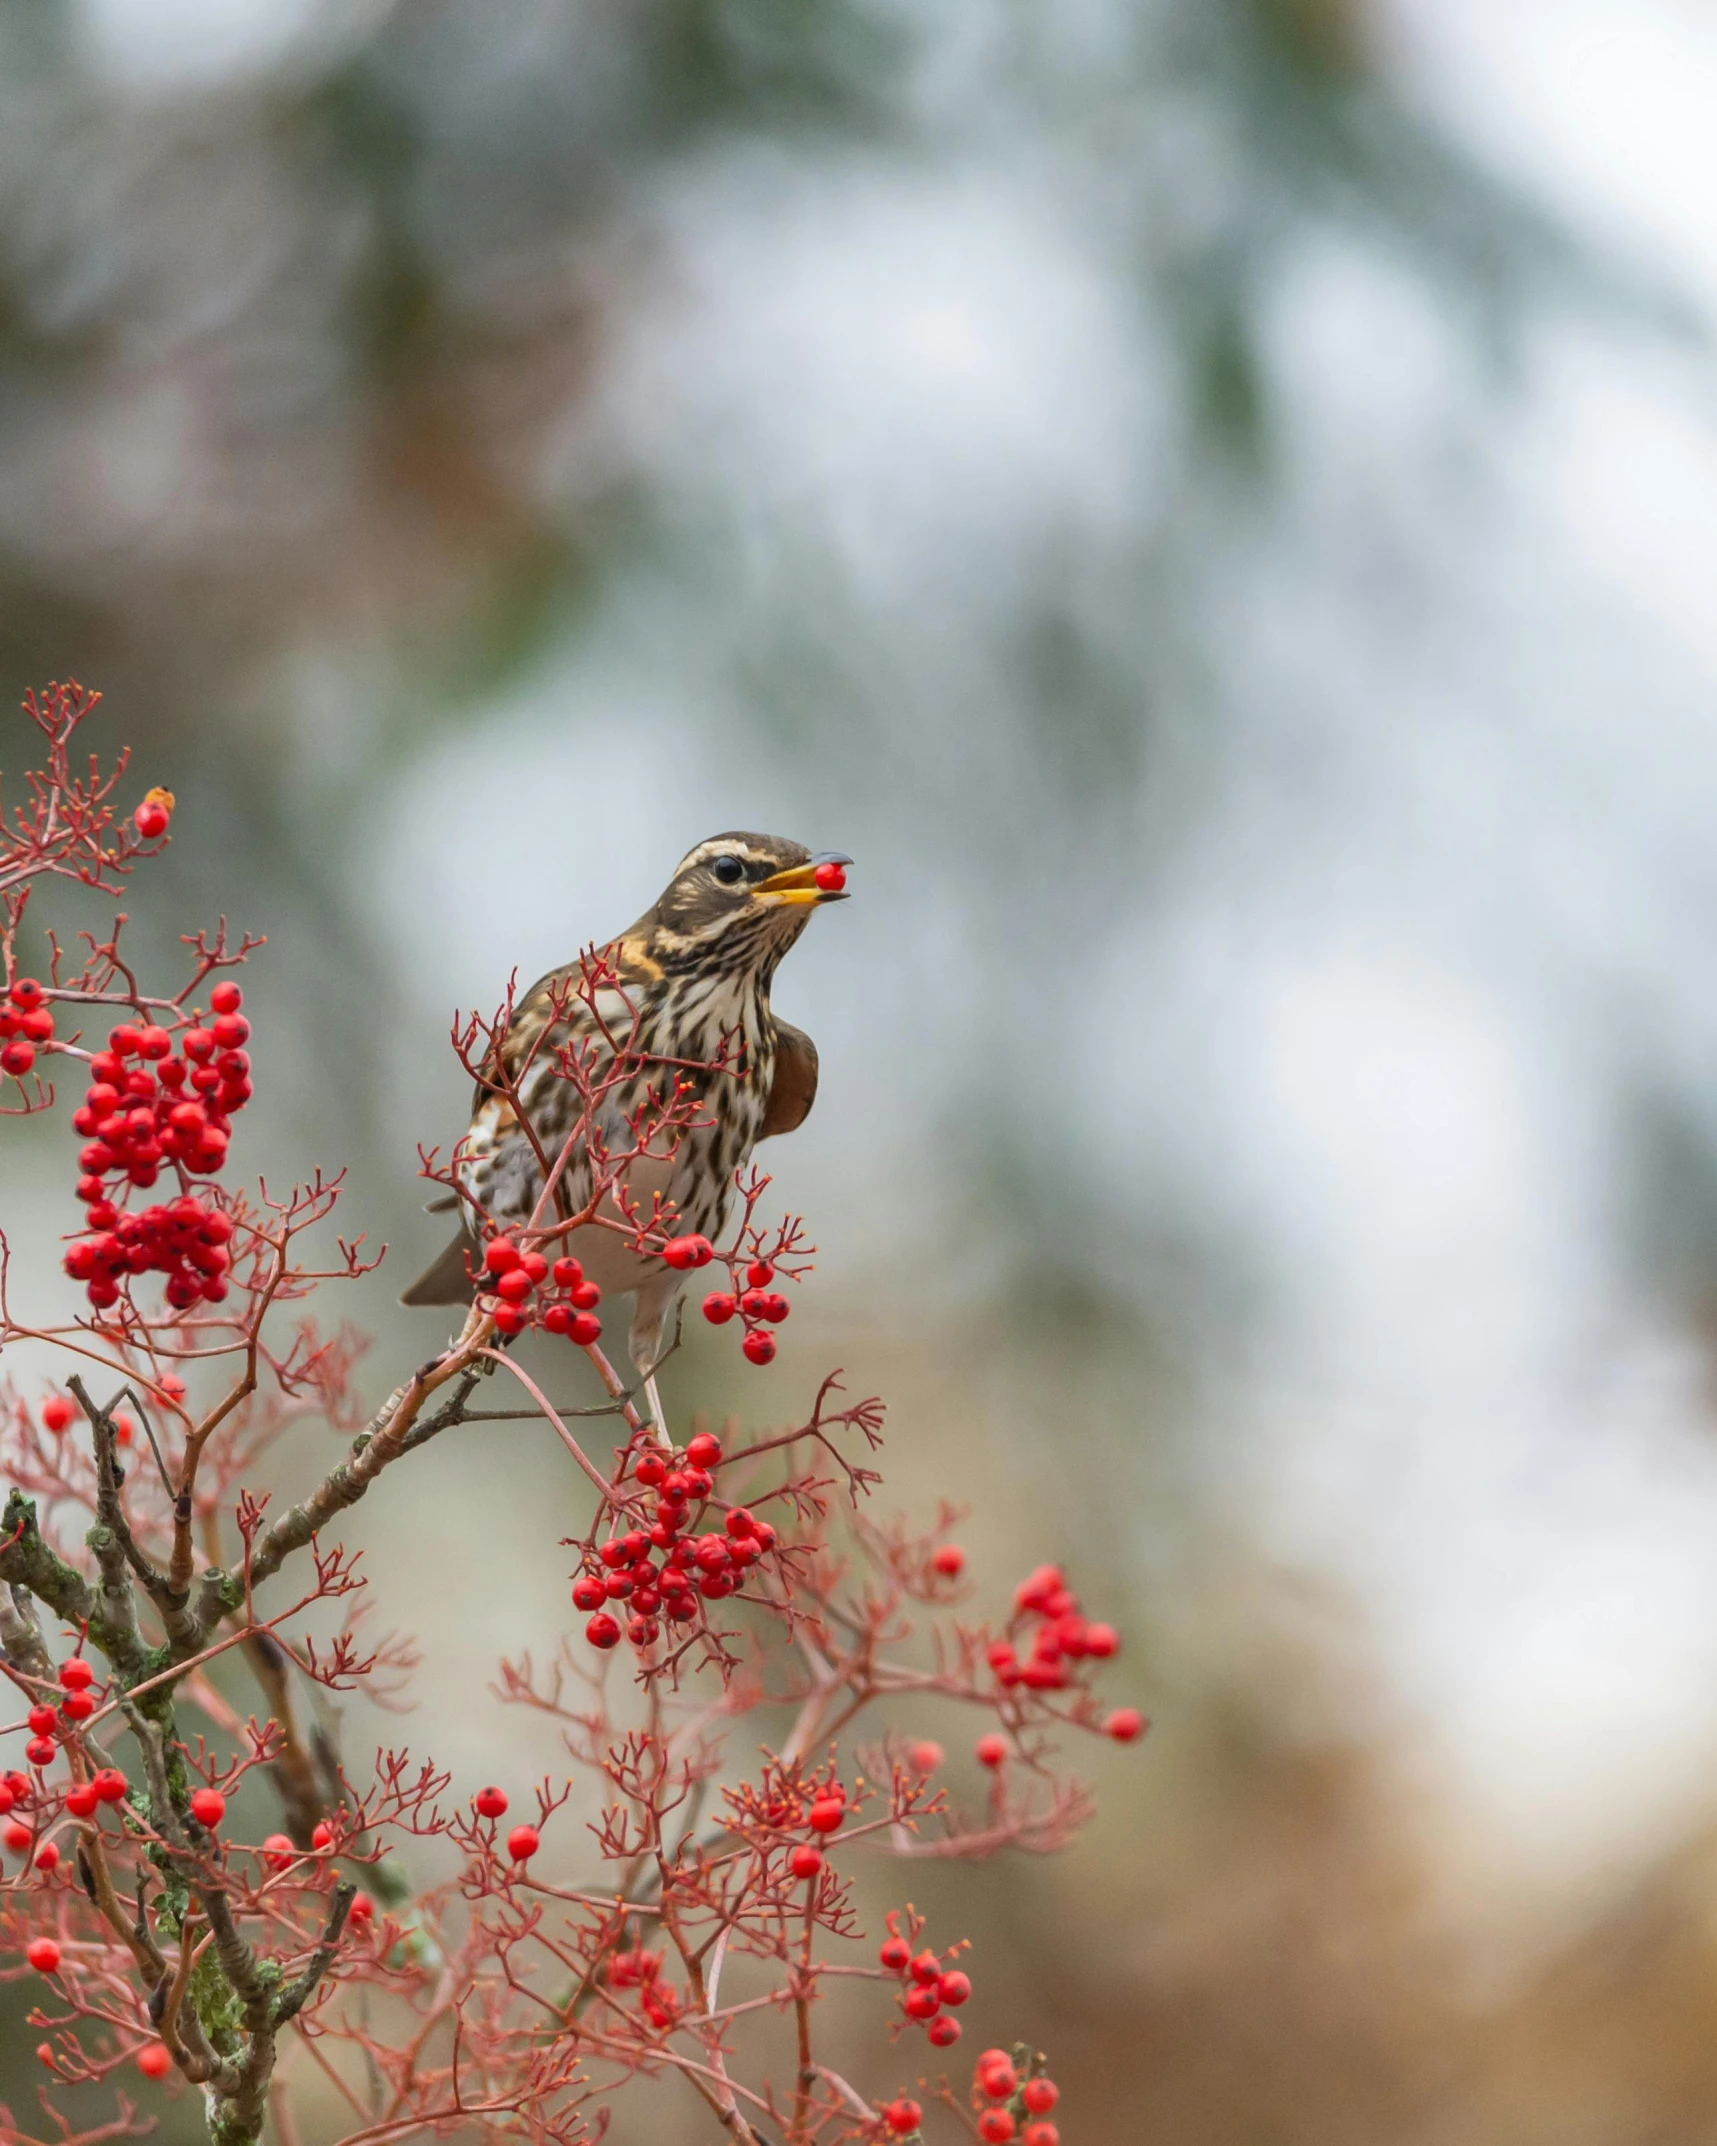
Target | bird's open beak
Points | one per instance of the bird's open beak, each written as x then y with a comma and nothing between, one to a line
798,887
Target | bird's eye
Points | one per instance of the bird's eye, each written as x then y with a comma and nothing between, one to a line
729,871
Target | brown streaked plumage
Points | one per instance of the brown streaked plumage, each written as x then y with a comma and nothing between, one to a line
694,976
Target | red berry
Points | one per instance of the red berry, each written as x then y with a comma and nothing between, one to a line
43,1955
226,998
996,2074
26,993
153,2061
109,1785
759,1274
18,1056
588,1592
1125,1724
1101,1640
57,1413
81,1801
702,1251
361,1909
602,1630
508,1319
991,1750
759,1347
523,1842
1038,1587
47,1857
77,1706
895,1954
500,1255
585,1329
954,1987
40,1750
17,1836
996,2126
208,1806
514,1286
1040,2134
153,1042
925,1757
704,1451
831,878
827,1815
322,1835
921,2002
278,1852
943,2031
805,1861
948,1559
718,1308
902,2116
41,1719
567,1273
926,1968
1040,2095
677,1252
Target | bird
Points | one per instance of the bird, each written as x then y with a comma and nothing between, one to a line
684,996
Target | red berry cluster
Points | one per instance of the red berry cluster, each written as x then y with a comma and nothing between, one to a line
1018,2105
664,1572
1059,1635
147,1108
47,1723
642,1971
523,1841
929,1990
81,1801
26,1019
513,1278
758,1306
825,1814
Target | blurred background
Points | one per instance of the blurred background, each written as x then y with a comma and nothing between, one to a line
1211,502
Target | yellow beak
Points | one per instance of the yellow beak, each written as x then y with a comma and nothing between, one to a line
797,887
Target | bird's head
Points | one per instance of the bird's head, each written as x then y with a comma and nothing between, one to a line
738,902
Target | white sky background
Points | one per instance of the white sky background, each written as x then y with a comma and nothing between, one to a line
1457,893
1460,877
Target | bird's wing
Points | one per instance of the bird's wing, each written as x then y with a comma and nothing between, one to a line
448,1281
556,1000
794,1088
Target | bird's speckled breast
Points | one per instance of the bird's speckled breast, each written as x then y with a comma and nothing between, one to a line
686,1019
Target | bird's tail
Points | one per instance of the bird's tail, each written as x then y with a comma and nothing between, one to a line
448,1281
